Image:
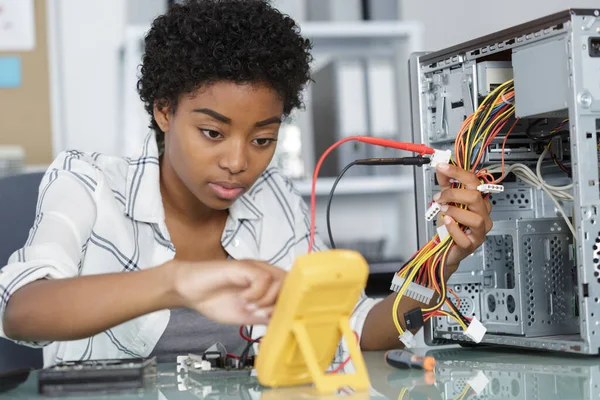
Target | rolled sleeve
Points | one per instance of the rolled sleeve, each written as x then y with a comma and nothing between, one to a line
65,215
357,323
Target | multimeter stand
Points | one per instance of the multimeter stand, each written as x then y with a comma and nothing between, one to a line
323,381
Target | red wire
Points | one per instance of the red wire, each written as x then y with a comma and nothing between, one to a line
422,271
313,195
232,356
343,364
246,338
415,148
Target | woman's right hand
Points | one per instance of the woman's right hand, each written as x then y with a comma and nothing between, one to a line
237,292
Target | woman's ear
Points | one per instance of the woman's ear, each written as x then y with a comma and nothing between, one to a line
162,115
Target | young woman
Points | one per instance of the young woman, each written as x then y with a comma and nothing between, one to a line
163,253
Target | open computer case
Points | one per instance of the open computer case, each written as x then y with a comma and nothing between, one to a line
534,283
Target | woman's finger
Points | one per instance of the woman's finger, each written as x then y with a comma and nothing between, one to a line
459,237
446,172
477,223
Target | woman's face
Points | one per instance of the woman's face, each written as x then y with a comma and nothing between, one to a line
221,138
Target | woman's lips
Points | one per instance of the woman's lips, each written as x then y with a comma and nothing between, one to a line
226,191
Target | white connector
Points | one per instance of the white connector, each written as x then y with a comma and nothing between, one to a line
476,330
408,339
432,211
414,291
478,382
205,365
440,157
490,188
442,232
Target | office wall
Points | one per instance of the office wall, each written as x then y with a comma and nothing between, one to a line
451,22
88,35
144,11
25,110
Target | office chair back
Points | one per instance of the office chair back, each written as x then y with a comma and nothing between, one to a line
18,199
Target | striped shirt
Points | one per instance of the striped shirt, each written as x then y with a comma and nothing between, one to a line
101,214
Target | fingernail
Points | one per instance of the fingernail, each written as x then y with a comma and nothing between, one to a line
448,219
468,231
436,197
260,313
444,208
443,166
251,306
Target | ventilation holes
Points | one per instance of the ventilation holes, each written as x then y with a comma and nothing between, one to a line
491,303
459,384
529,284
498,256
465,307
597,258
495,386
515,388
519,198
555,282
510,304
472,289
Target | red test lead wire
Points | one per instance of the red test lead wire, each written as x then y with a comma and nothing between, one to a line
415,148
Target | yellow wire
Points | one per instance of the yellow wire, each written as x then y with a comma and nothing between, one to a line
489,98
404,287
447,314
464,392
438,252
492,95
402,393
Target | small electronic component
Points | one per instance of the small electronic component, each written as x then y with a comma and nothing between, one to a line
408,339
404,360
490,188
442,232
413,319
432,211
475,331
440,157
193,364
216,356
478,382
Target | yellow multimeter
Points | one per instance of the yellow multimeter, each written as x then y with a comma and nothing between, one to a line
312,314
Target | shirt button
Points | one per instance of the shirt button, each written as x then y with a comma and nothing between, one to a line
236,243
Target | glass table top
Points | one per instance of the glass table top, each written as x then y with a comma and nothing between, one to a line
488,373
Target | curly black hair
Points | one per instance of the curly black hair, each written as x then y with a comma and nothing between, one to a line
201,42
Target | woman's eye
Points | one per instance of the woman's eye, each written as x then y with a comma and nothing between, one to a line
263,142
210,133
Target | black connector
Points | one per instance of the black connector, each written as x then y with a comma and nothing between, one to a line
215,359
417,161
414,319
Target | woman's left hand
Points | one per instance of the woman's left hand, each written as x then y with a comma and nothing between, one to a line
476,217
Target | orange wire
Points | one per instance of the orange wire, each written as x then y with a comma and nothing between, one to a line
456,296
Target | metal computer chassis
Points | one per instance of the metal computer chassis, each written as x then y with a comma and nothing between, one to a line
532,284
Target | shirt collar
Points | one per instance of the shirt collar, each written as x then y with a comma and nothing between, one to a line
143,201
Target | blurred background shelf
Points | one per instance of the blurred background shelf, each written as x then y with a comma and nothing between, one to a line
357,185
